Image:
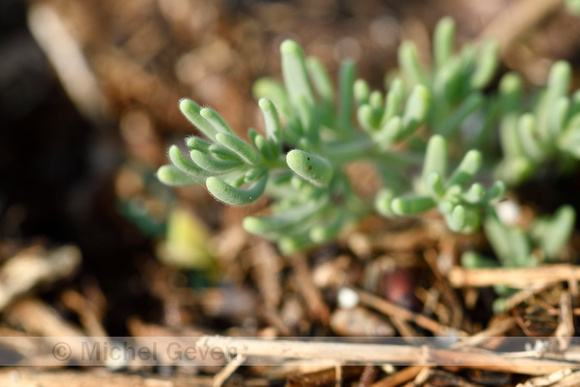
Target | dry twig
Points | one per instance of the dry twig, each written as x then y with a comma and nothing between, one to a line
530,363
326,377
220,378
514,277
391,309
33,266
400,377
304,284
39,319
447,293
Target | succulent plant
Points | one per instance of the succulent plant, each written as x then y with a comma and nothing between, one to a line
428,122
549,130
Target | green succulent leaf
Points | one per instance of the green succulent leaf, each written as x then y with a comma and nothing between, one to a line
321,80
216,121
328,231
472,221
435,157
185,165
284,222
365,118
394,100
486,65
434,183
443,41
569,141
457,219
236,196
211,165
272,125
390,132
310,167
466,169
383,202
192,112
411,205
198,143
510,88
527,132
558,116
274,90
173,176
475,194
558,232
362,92
559,80
295,73
416,109
473,260
254,174
221,152
495,193
238,146
511,245
465,109
347,74
410,63
263,147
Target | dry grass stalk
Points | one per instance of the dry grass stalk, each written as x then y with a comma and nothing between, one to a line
31,377
565,329
267,265
326,377
494,330
514,277
68,59
34,266
405,329
400,377
220,378
548,380
391,309
525,295
272,317
39,319
447,378
302,279
368,376
90,317
530,363
447,293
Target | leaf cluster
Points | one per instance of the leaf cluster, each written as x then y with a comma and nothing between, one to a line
425,136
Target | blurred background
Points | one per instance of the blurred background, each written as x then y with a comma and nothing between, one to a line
88,107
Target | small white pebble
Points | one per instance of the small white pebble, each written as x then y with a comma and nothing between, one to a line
115,362
347,298
508,212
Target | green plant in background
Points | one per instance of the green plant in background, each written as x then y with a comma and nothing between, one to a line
573,6
549,131
542,241
456,81
515,247
462,207
413,135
